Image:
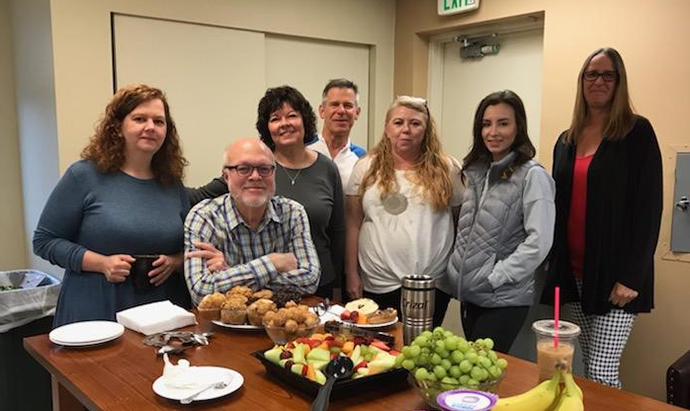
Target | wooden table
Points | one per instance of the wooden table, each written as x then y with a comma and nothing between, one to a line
118,376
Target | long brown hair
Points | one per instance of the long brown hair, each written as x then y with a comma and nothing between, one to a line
431,172
107,146
621,116
522,146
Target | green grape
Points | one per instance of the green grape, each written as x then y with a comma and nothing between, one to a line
455,372
472,357
435,359
405,351
456,356
463,379
421,341
502,363
444,353
465,366
472,383
439,330
448,383
492,355
431,377
399,360
428,334
426,350
440,345
421,360
485,362
451,343
440,372
415,350
476,373
407,364
463,346
494,371
482,353
445,363
421,374
363,350
489,343
447,334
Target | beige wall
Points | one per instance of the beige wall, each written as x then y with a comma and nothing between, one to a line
652,38
81,46
62,58
12,238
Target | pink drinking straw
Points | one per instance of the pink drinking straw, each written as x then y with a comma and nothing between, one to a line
556,314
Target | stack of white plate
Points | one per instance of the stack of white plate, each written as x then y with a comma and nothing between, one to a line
86,333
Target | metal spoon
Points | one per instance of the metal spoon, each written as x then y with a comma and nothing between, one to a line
215,385
338,368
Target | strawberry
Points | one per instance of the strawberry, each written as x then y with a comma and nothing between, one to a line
345,315
361,364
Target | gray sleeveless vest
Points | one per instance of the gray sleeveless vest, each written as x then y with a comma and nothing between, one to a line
489,229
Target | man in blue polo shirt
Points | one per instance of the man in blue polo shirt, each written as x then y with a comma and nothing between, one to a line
339,110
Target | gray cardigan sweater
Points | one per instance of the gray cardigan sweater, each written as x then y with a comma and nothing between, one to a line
505,231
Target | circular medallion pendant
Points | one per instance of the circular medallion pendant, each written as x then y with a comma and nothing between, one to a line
395,203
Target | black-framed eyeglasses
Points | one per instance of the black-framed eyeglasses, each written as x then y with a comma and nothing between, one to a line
245,170
593,75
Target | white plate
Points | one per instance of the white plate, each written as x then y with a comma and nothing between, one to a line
207,374
236,326
386,324
86,333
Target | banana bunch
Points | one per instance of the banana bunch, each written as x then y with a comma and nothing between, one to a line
571,396
547,396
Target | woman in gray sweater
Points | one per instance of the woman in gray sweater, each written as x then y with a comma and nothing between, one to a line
505,228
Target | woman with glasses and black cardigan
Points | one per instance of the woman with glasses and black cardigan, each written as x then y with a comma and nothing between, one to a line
607,168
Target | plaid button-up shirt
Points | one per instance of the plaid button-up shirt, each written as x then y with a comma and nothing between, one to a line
284,229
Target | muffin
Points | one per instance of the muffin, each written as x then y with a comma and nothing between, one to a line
242,290
209,307
267,294
258,309
234,311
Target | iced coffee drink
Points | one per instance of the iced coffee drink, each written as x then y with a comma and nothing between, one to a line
552,355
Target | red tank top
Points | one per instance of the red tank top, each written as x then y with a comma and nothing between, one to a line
578,212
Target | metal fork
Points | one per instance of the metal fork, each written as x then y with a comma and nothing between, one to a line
216,385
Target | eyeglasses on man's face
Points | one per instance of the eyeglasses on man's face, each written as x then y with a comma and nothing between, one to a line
593,75
246,170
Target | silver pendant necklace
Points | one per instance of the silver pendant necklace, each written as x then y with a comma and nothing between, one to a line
292,179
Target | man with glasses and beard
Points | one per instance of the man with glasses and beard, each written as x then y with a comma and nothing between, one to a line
249,237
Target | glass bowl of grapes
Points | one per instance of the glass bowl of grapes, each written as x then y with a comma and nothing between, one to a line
439,361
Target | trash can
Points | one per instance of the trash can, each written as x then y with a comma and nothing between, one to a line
27,304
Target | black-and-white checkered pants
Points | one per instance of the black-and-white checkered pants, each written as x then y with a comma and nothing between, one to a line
602,340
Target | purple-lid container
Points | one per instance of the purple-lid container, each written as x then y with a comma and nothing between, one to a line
466,400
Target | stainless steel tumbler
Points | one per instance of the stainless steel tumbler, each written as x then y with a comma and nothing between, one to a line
417,304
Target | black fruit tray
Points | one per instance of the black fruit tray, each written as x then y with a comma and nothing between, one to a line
341,388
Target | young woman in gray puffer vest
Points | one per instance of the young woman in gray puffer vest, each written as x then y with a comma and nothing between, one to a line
505,227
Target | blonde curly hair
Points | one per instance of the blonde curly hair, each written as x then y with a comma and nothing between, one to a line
431,172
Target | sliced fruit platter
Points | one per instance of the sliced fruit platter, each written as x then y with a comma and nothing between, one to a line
302,362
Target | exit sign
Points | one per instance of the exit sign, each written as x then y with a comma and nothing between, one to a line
448,7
